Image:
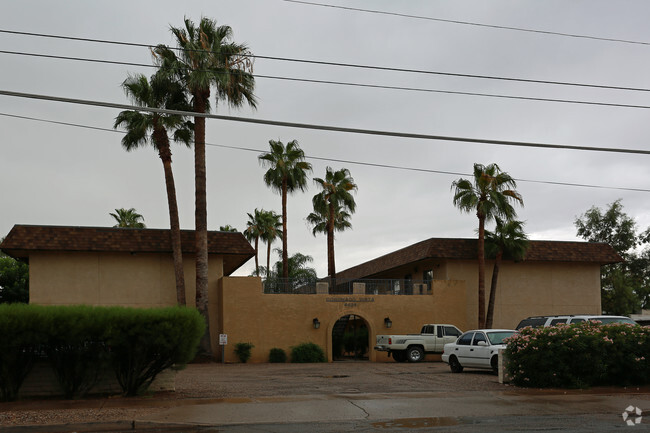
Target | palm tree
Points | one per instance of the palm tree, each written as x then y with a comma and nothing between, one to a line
207,59
508,239
299,273
159,92
287,172
128,218
271,230
228,228
253,232
335,200
489,194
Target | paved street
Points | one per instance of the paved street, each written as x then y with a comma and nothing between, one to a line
360,397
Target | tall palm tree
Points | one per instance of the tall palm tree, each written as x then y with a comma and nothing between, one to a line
287,173
128,218
335,200
271,230
159,92
490,194
207,59
508,239
254,227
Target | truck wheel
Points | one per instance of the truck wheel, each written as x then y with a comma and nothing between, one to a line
399,355
414,354
455,365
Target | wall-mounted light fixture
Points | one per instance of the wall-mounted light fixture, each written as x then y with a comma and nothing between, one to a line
316,323
387,322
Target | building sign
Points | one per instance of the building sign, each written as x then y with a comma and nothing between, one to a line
351,301
223,339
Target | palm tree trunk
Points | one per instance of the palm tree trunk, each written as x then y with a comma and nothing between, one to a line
285,253
481,271
175,229
489,318
201,218
331,265
268,259
257,263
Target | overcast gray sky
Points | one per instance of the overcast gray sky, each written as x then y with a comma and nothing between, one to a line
62,175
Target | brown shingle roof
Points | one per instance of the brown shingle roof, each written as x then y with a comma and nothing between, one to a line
465,249
23,239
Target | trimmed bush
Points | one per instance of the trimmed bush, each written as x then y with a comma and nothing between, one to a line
76,348
143,343
80,341
21,328
307,352
277,355
243,351
580,355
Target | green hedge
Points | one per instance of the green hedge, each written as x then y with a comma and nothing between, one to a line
579,356
307,352
80,342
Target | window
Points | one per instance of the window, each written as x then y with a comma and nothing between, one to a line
450,330
466,339
479,336
577,320
427,330
440,331
556,321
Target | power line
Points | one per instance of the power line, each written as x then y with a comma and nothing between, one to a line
362,85
352,65
469,23
323,127
343,161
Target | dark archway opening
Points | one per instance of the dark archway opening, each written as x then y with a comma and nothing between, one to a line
350,339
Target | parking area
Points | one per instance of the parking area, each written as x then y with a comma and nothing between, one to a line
266,380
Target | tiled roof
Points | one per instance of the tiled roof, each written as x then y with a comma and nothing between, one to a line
24,239
466,249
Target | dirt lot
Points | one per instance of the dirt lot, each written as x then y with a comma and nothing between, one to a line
200,383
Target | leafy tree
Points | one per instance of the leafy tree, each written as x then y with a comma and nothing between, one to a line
207,59
159,92
625,287
287,172
228,228
299,272
508,239
490,194
14,280
128,218
336,201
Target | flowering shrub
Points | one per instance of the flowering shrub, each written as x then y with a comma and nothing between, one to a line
579,355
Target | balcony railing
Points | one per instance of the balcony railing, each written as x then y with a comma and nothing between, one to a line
339,286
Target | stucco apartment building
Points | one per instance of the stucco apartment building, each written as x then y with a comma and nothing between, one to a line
433,281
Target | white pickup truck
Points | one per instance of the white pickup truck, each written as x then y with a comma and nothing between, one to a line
412,347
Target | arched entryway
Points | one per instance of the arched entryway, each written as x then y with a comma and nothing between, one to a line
350,339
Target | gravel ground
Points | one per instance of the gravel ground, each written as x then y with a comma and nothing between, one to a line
202,383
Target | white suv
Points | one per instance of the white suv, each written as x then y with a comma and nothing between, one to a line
537,321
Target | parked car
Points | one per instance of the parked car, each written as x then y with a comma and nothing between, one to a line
537,321
476,349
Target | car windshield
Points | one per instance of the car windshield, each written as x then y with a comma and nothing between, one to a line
498,337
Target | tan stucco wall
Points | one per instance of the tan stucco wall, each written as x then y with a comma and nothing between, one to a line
282,321
138,280
531,288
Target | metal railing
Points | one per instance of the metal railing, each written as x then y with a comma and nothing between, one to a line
348,287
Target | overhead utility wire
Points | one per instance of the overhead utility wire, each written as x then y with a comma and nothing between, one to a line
342,83
358,66
469,23
344,161
316,127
